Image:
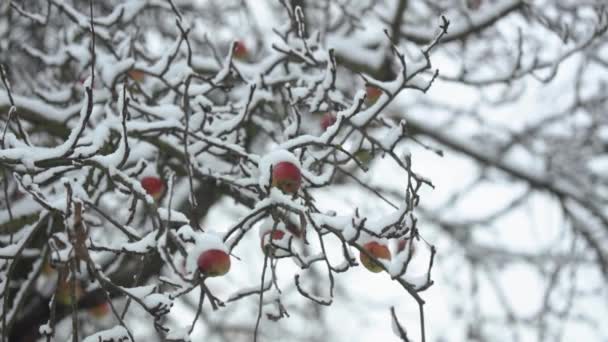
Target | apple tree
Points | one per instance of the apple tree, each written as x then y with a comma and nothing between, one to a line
172,164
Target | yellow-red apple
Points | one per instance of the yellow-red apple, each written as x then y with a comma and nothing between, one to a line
214,262
240,50
377,250
373,93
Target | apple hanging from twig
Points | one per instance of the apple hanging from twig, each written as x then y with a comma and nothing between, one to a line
377,250
154,186
240,51
287,177
214,262
373,93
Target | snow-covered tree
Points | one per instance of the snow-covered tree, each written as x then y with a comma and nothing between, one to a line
173,169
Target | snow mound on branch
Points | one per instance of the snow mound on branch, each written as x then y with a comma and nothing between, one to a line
118,333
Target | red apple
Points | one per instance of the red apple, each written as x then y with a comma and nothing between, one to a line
373,93
240,50
377,250
404,244
100,310
154,186
276,236
287,177
214,263
327,120
136,75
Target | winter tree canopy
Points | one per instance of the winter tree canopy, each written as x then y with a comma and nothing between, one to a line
288,170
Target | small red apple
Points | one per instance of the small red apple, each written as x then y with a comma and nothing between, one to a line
327,120
100,310
136,75
287,177
277,235
214,262
404,244
377,250
240,50
373,93
154,186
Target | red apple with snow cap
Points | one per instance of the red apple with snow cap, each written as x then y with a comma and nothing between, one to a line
154,186
240,50
277,235
287,177
328,120
214,262
377,250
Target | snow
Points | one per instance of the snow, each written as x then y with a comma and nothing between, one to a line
249,291
142,246
140,291
45,329
160,119
10,251
117,333
111,68
179,334
393,136
176,216
157,301
599,165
